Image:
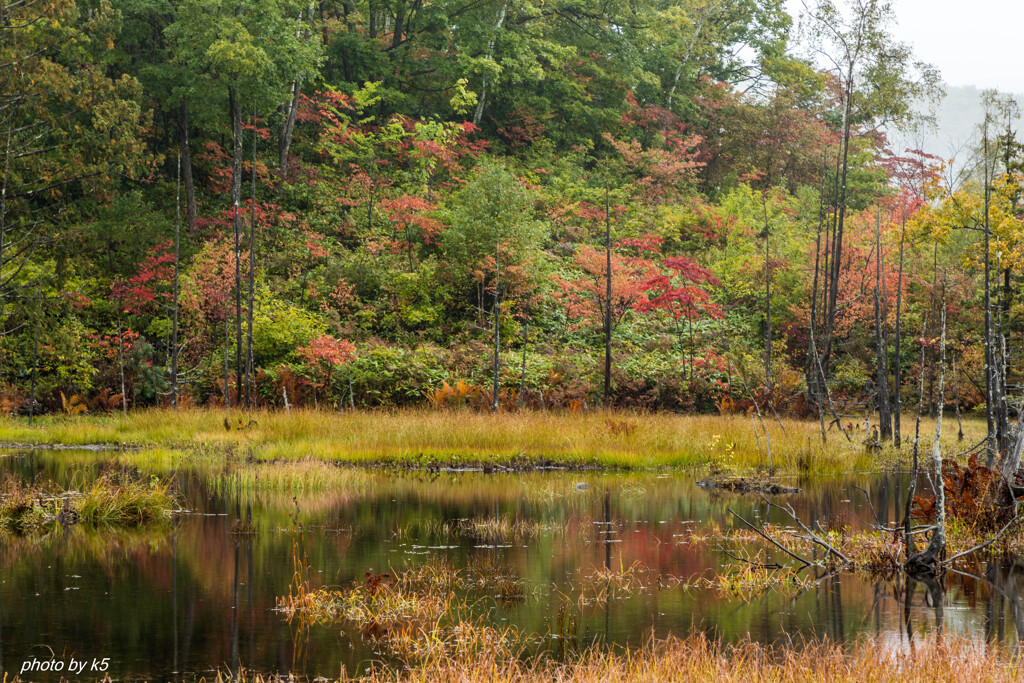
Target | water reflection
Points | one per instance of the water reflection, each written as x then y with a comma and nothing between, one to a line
169,602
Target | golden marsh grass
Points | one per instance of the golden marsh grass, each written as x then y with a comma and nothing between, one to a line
699,659
458,438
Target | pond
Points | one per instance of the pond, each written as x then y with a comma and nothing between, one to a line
173,601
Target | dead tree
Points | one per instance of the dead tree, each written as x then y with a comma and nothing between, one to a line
926,561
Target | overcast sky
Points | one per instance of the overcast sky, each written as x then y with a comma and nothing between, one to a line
974,42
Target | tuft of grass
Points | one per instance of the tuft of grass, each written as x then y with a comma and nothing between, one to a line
121,501
245,527
749,581
292,477
599,585
489,530
462,640
378,601
114,499
421,438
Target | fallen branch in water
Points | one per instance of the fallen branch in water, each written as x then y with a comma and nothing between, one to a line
788,509
771,540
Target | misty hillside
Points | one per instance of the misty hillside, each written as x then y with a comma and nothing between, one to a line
957,126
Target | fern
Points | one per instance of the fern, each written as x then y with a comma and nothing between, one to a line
76,405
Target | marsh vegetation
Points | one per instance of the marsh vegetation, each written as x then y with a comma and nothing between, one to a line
308,568
464,438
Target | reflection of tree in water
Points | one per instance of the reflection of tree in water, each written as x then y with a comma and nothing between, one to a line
1002,578
997,586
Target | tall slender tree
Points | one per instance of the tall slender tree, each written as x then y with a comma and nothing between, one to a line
175,300
879,83
249,386
881,342
937,543
608,298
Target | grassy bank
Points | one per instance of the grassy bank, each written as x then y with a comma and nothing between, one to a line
420,437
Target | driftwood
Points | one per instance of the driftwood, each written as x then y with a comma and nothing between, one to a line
746,485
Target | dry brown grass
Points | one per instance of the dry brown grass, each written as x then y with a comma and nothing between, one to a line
696,658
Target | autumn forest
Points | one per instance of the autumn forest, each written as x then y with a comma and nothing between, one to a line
527,340
375,203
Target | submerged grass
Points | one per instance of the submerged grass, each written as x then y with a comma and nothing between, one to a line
293,476
745,581
465,438
598,586
486,530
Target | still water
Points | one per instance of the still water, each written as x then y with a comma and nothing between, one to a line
180,600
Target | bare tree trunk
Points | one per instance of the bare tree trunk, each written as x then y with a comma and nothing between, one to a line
690,352
1003,418
3,215
287,131
252,274
837,243
236,200
35,354
177,261
709,10
767,303
227,371
956,402
908,537
897,369
990,455
1011,461
937,544
824,385
931,373
497,329
607,300
813,391
478,114
522,372
120,359
999,376
185,161
881,352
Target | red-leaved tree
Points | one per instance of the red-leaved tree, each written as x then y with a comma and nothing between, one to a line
679,293
322,355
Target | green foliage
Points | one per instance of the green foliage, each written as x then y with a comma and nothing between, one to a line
490,221
279,329
260,47
393,376
414,297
